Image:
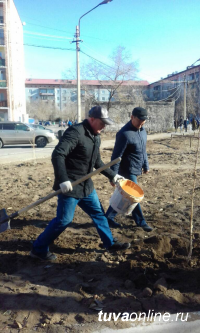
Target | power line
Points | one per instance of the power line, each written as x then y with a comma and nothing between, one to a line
50,47
45,35
178,96
172,88
170,96
97,60
38,25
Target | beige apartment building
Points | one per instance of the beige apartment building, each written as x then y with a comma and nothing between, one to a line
12,72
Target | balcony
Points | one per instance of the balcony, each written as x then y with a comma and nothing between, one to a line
2,41
3,104
47,94
3,84
2,62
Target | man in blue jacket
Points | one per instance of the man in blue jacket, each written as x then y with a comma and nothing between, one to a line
130,145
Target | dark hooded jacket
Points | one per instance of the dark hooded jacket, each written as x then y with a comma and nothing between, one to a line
76,154
130,145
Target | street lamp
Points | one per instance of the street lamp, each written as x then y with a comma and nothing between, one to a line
195,61
77,41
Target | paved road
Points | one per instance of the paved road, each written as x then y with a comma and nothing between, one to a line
21,153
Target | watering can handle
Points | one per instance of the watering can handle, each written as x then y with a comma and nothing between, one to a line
51,195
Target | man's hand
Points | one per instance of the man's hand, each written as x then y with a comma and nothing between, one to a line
147,171
66,186
116,179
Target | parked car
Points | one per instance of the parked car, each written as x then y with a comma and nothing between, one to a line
14,133
40,127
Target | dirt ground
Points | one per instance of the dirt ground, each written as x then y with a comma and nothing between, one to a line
66,295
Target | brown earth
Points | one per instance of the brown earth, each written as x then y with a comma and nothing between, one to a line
66,295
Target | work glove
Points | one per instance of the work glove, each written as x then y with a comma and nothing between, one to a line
66,186
117,178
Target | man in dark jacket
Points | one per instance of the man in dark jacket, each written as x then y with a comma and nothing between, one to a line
130,145
76,154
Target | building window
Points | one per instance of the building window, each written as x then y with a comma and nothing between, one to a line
50,91
58,98
30,91
103,91
64,98
43,91
103,99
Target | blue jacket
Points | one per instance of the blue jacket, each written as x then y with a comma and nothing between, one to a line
130,145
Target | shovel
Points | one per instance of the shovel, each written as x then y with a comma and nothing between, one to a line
5,219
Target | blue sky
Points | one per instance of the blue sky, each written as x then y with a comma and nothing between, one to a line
162,36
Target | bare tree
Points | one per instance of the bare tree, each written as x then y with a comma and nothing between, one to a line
42,110
116,78
119,75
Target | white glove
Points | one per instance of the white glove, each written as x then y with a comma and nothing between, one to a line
117,178
66,186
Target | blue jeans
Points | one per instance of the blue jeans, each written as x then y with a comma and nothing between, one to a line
136,213
65,213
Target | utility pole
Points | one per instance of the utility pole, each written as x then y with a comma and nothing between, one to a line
77,41
184,99
78,75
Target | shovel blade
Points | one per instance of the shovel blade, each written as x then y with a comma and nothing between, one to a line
5,226
3,216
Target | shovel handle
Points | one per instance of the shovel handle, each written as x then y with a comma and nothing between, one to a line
53,194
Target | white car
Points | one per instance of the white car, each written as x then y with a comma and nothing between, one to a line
14,133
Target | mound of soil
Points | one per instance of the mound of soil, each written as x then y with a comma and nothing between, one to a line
66,295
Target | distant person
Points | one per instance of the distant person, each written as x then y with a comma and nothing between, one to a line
194,124
185,123
130,145
176,124
76,154
69,123
181,124
197,120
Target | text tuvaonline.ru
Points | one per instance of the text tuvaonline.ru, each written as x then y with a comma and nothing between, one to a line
149,317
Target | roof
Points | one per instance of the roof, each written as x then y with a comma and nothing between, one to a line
170,77
56,82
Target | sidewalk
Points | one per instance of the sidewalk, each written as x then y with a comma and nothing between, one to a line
157,136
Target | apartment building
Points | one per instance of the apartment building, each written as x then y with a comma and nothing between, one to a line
12,73
172,85
62,92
